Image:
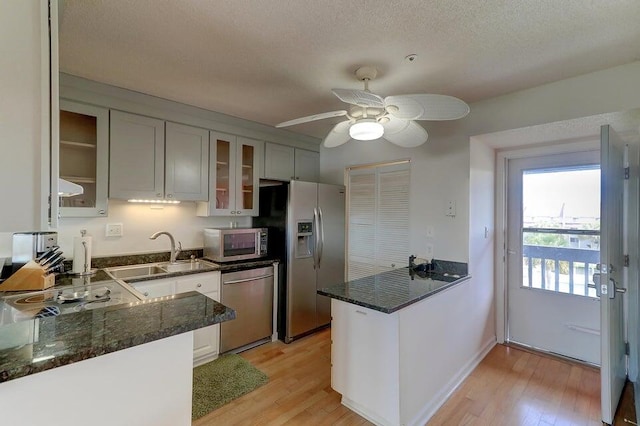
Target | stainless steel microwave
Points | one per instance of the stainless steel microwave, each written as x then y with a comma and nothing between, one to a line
229,244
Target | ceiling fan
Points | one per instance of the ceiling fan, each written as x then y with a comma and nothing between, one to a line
371,116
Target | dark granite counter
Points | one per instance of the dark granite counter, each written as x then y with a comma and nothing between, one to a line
391,291
38,344
101,274
30,345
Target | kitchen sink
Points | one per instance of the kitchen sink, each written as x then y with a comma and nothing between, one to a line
124,272
186,266
157,269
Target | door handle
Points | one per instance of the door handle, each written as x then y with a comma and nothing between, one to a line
596,284
615,289
604,288
246,280
316,236
321,223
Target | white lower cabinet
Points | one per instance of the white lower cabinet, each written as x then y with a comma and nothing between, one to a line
206,341
156,288
365,361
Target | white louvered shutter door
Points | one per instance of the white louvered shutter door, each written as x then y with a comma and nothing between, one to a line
378,207
362,231
392,219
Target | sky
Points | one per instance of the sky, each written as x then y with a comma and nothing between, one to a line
544,193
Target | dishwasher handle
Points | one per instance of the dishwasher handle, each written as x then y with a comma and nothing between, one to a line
247,279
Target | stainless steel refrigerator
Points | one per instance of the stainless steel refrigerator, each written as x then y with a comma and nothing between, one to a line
306,230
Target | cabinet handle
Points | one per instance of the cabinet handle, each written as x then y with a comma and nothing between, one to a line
199,285
297,177
360,312
146,293
101,212
159,195
169,195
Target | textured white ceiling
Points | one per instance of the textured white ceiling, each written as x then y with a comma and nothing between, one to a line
271,61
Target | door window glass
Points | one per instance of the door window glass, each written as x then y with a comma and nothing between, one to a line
561,228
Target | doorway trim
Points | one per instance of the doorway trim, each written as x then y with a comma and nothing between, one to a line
502,162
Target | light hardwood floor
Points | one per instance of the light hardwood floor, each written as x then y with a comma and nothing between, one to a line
509,387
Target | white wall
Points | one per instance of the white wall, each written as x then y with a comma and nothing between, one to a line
482,234
139,222
448,167
439,172
21,92
441,168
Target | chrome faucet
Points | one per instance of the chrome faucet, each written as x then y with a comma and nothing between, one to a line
174,252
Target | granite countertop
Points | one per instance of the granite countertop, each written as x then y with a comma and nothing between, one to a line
38,344
29,345
101,274
391,291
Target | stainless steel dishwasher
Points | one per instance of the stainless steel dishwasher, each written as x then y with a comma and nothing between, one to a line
250,294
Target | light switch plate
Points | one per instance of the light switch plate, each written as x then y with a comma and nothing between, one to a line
114,230
450,208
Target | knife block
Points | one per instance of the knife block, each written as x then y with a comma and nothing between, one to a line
31,276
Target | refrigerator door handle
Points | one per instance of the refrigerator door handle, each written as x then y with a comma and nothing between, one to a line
316,236
321,231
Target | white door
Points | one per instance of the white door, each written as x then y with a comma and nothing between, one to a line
553,237
609,278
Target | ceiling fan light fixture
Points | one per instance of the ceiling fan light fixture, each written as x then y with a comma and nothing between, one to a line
366,129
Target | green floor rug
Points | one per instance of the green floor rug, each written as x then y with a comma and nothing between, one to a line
221,381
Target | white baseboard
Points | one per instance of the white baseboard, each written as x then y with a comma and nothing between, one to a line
441,397
364,412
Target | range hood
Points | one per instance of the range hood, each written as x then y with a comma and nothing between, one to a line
68,189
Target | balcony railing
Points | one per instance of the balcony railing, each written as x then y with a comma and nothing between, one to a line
560,269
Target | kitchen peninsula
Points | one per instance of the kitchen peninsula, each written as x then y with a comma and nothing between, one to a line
394,342
128,363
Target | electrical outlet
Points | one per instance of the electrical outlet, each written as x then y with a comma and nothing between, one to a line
429,231
114,230
429,250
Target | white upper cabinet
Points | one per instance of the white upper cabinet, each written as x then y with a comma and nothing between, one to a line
233,176
147,163
288,163
186,163
84,156
279,162
136,163
307,165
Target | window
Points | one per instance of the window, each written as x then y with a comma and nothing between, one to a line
561,228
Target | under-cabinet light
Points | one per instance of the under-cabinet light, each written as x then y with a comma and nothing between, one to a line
154,201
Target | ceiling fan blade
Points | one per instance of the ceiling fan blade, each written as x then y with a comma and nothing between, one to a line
426,107
359,97
313,118
404,133
338,135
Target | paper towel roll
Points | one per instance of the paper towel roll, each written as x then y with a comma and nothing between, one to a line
78,254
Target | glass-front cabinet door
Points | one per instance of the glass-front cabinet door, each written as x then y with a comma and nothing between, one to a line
233,176
222,187
247,176
84,156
